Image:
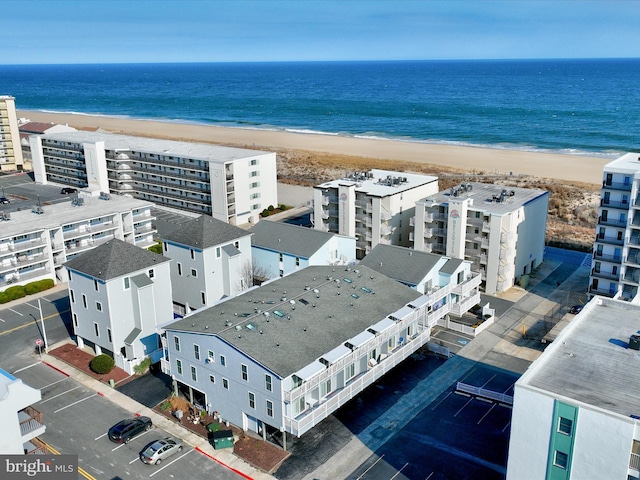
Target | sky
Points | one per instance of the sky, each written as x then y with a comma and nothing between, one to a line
150,31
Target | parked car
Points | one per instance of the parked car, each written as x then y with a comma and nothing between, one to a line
576,309
4,200
125,430
68,191
155,452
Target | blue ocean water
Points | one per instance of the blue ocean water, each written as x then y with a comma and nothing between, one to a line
570,106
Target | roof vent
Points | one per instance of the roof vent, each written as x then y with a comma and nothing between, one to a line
316,291
238,327
206,326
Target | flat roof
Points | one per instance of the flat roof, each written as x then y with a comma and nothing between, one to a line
627,163
289,323
591,362
24,221
200,151
381,183
486,197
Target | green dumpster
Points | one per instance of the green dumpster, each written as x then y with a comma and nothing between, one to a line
222,439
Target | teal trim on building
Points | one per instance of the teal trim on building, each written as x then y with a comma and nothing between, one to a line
563,433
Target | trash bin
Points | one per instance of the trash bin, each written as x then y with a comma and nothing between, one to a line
222,439
213,427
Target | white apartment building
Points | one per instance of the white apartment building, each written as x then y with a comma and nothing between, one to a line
576,409
616,249
499,230
119,293
21,423
34,244
375,207
28,128
281,248
231,184
287,354
211,260
10,149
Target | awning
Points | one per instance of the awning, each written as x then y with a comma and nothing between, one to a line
404,312
421,301
310,370
361,339
336,354
383,325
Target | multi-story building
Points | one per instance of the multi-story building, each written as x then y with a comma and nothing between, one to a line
285,355
21,423
576,409
281,248
119,293
10,149
231,184
616,250
375,207
34,244
499,230
28,128
211,260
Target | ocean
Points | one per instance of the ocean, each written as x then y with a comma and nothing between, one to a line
581,107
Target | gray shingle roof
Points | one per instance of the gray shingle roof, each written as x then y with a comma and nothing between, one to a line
451,265
400,263
204,232
294,335
113,259
286,238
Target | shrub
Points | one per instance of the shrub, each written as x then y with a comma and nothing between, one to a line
157,248
19,291
143,366
102,364
282,207
270,208
38,286
15,292
166,405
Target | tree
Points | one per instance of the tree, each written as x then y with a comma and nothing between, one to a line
253,274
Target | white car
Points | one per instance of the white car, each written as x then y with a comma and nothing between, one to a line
159,450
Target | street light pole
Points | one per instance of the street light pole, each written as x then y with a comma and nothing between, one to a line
44,333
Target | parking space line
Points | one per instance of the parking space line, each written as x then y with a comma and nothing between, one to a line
1,320
27,367
485,383
60,394
34,306
52,384
506,426
430,475
81,471
15,311
170,463
75,403
462,408
134,460
373,465
488,411
468,374
132,438
398,472
443,399
103,435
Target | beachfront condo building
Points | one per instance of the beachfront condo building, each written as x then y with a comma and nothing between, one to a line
499,230
231,184
119,293
28,128
10,149
286,355
34,244
576,409
616,250
21,423
374,207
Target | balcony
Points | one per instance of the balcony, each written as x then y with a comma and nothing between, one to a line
606,275
607,258
623,186
634,462
605,292
612,222
612,240
624,205
31,423
35,446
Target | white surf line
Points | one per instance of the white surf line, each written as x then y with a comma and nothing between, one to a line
75,403
34,306
170,463
15,311
25,368
103,435
60,394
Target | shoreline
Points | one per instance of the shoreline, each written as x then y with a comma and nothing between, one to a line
572,167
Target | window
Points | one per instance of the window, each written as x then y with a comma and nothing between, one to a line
194,374
164,246
245,373
127,284
253,162
217,252
84,300
196,351
254,185
212,379
281,257
325,388
210,355
256,206
203,298
179,366
95,285
223,361
98,306
73,296
350,371
297,261
270,408
281,273
194,273
225,383
392,342
96,329
254,173
179,269
176,343
109,335
267,383
75,320
252,400
565,425
193,253
151,273
560,459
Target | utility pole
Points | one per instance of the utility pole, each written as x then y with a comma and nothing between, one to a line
44,333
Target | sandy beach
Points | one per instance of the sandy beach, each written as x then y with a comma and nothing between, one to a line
471,159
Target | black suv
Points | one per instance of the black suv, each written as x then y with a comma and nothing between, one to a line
125,430
4,200
68,191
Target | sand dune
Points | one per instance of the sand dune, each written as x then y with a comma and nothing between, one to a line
487,160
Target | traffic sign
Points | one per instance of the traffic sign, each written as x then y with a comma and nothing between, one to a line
38,342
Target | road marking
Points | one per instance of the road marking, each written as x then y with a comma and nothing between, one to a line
488,411
443,399
506,426
462,408
60,394
27,367
52,384
170,463
1,320
81,471
132,438
469,373
398,472
103,435
485,383
430,475
15,311
27,303
30,323
134,460
367,470
74,403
